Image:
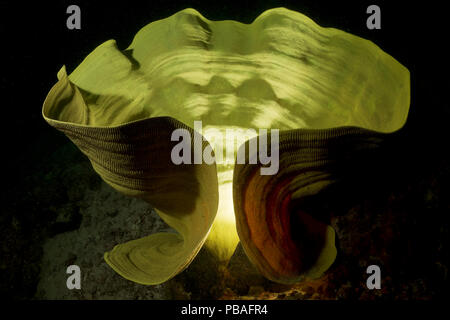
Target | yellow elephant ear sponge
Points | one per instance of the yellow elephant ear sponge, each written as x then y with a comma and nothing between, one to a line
281,72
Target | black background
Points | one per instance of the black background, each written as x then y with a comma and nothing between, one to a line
36,43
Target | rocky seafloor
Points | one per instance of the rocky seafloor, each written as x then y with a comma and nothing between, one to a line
68,215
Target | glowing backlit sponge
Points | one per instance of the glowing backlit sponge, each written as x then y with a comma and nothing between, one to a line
331,95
